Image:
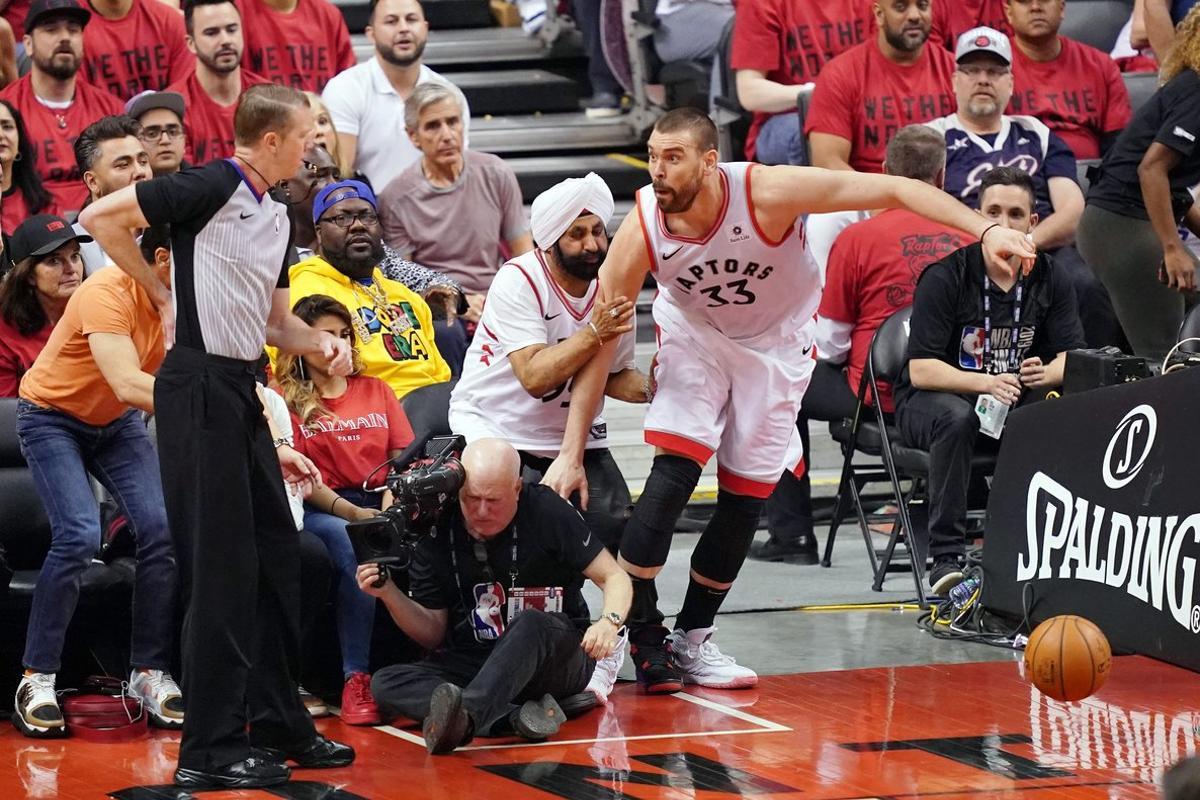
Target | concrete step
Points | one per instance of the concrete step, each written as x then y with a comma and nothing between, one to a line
548,133
441,14
538,174
517,90
482,48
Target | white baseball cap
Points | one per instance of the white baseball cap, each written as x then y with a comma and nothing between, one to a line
983,40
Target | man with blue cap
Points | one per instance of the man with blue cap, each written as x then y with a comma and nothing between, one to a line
393,326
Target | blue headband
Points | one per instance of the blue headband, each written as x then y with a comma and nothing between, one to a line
342,190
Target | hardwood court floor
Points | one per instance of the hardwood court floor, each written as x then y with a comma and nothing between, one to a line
938,731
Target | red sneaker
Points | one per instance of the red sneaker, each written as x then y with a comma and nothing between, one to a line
358,706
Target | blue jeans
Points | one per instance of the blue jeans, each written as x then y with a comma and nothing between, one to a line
61,451
355,608
780,141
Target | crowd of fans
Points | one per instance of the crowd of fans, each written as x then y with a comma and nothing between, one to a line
984,99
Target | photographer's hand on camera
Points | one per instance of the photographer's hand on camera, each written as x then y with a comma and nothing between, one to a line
425,626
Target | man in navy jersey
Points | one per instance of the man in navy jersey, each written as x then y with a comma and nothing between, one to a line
981,137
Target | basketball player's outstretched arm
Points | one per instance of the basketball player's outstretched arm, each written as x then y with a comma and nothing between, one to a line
783,194
622,274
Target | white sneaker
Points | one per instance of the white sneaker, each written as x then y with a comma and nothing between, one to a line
605,676
160,697
36,712
700,661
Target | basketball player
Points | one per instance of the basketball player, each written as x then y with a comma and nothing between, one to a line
737,297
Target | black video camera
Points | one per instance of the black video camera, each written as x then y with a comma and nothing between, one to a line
418,493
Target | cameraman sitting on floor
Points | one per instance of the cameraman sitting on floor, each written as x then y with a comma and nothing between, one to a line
492,674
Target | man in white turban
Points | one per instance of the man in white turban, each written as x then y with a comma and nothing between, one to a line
542,322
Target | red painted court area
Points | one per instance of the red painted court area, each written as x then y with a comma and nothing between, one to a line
937,731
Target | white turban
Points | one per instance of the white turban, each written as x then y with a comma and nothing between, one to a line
555,209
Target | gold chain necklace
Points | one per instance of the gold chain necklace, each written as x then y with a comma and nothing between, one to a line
377,299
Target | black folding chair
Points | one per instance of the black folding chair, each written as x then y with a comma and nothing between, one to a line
1190,329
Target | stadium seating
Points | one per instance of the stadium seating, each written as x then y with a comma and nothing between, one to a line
1140,85
1096,22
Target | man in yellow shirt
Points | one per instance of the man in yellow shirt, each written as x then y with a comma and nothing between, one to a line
393,327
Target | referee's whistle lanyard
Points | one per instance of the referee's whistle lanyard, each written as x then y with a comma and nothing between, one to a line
481,558
1014,360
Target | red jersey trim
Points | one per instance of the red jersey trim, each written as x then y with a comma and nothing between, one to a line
754,217
645,234
520,269
679,444
562,297
662,219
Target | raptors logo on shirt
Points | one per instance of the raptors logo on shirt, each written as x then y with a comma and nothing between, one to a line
734,278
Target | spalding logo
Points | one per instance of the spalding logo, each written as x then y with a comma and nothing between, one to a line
1129,446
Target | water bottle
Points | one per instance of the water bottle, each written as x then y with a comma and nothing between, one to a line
960,595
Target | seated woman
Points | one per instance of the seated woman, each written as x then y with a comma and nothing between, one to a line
33,295
24,193
349,428
80,413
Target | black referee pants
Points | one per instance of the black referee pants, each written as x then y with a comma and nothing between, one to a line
239,561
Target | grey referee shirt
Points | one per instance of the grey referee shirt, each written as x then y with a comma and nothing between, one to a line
229,249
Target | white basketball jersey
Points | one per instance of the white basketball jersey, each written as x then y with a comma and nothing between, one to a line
733,279
524,307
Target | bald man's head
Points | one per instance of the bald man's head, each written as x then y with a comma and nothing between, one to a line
492,487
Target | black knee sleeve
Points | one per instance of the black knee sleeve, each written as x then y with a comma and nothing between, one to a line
647,537
726,539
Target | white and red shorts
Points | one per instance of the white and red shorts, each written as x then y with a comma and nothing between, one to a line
739,401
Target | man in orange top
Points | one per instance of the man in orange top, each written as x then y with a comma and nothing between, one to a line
79,412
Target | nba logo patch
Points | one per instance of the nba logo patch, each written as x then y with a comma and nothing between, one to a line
970,348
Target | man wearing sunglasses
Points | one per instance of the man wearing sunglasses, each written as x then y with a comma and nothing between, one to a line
393,327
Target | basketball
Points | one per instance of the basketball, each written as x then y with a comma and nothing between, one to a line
1067,658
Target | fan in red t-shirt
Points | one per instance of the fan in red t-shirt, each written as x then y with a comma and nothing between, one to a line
131,46
299,43
780,44
952,18
350,428
55,105
1073,88
211,91
872,90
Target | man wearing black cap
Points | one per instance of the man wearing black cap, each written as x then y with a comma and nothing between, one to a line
79,413
55,106
161,117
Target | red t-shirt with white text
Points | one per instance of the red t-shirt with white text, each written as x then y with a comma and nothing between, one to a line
208,125
791,40
17,354
865,98
366,425
953,18
145,49
872,273
303,48
14,209
1079,95
52,134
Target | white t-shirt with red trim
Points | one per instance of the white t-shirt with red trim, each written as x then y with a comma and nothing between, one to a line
524,307
734,279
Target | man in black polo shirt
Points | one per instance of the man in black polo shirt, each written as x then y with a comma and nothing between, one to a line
493,672
979,329
226,505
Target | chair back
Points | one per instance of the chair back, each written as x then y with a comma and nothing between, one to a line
1096,22
1190,329
1141,87
428,412
24,528
889,347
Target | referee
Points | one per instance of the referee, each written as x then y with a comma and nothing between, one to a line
224,493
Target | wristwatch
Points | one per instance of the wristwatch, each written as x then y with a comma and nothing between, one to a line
614,618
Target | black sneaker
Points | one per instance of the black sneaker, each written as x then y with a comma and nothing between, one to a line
945,575
655,672
802,550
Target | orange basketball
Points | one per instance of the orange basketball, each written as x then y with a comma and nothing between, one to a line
1067,658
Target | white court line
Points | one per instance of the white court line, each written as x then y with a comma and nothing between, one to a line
764,726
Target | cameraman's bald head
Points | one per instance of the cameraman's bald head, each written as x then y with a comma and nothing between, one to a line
492,487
